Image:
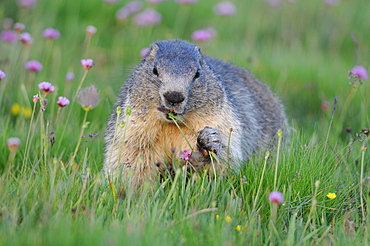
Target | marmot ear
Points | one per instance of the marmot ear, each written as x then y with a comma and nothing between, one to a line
153,49
197,49
200,54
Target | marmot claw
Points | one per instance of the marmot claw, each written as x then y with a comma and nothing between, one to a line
210,139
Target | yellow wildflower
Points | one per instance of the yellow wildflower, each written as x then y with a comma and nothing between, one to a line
238,228
26,112
217,216
15,109
228,219
331,196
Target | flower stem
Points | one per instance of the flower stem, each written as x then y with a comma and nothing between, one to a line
363,149
312,213
280,137
261,180
56,117
26,153
182,133
79,139
274,208
73,102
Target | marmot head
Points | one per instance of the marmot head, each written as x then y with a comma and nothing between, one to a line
178,70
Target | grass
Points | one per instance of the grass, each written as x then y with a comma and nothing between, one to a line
303,50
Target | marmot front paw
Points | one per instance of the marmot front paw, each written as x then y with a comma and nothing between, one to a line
210,139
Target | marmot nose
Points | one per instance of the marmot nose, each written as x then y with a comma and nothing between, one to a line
174,97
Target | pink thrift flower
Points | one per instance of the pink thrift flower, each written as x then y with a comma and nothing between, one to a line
149,17
51,33
155,1
134,6
186,1
359,72
46,87
88,97
69,77
25,38
2,75
122,14
224,9
87,63
43,104
204,35
62,102
111,1
28,4
35,98
34,66
325,105
8,36
90,30
129,9
13,143
144,52
185,155
19,27
331,2
276,197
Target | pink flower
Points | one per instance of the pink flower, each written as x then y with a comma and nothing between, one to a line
46,87
69,77
186,1
62,102
25,38
111,1
19,27
90,30
87,63
43,104
34,66
204,35
127,10
122,14
185,155
155,1
13,143
28,4
331,2
325,105
88,97
2,75
224,9
35,98
51,33
359,72
276,197
144,52
8,36
149,17
134,6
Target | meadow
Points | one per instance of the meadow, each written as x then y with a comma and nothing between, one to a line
52,189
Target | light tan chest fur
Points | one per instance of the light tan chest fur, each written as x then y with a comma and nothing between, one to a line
146,140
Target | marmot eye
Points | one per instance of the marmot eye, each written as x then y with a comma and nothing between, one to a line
155,71
197,74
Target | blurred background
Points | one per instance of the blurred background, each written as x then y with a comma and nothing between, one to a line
303,50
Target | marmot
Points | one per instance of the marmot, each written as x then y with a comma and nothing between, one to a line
216,105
